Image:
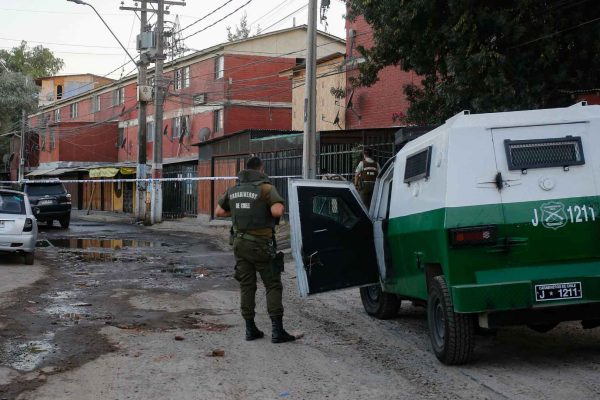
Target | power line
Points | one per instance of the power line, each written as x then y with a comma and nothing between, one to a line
61,44
206,16
556,33
219,20
287,16
269,12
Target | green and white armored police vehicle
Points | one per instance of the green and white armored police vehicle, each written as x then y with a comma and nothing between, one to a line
490,220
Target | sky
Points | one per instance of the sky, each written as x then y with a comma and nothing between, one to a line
76,34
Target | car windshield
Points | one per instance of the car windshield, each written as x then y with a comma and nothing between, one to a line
11,203
44,189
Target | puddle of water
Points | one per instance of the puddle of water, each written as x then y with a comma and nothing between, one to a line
28,355
91,243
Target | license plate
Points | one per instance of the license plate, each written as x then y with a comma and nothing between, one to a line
558,291
45,202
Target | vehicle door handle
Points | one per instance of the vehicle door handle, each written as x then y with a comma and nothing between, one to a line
320,230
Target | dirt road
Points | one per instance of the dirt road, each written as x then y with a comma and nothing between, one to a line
139,318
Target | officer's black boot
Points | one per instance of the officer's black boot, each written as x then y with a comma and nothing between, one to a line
252,331
279,334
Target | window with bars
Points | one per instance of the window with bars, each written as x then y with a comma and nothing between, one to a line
544,153
418,165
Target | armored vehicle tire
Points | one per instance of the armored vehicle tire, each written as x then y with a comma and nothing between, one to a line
452,334
543,328
379,304
29,258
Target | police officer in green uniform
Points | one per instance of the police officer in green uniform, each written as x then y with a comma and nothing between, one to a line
366,175
255,207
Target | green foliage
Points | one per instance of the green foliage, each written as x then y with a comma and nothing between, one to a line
36,62
483,55
17,88
241,32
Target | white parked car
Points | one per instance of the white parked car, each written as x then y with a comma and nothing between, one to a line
18,226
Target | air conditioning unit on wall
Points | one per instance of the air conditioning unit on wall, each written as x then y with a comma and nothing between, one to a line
200,99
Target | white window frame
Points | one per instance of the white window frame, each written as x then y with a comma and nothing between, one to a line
185,77
119,96
177,80
96,102
74,110
219,67
57,115
218,122
176,131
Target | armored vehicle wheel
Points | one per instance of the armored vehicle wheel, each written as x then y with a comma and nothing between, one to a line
451,333
543,328
379,304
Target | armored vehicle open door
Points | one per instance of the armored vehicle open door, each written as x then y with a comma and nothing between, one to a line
332,236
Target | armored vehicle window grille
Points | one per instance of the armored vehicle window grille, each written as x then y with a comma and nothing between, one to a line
417,166
544,153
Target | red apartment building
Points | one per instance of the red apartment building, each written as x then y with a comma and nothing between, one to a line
377,106
214,92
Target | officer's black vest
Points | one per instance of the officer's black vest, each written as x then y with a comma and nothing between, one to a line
248,209
369,171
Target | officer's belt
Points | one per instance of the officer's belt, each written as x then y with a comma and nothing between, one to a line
252,238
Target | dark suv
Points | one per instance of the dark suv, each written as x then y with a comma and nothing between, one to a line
49,201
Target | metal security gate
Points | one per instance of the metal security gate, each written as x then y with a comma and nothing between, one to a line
342,158
180,198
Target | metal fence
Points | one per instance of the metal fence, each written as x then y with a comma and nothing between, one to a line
282,163
180,198
343,158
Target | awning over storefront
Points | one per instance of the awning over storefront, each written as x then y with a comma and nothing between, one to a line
111,172
104,172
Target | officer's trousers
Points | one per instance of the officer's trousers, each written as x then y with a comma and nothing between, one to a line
252,257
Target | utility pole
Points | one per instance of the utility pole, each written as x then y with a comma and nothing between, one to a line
142,132
154,215
22,149
157,159
309,155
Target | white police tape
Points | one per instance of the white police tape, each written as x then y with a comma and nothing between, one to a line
147,180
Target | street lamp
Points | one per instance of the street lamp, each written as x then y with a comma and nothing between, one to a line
105,24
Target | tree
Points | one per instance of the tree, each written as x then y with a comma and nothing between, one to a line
17,88
241,32
36,62
483,55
